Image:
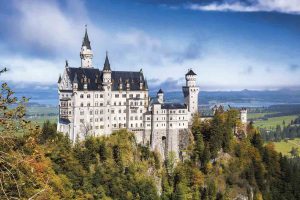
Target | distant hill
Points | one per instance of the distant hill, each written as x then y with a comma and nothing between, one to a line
47,94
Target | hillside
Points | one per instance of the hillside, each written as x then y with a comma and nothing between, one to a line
39,163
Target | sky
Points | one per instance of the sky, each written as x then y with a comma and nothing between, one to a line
230,44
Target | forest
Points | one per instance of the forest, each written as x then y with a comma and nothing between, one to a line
37,162
284,131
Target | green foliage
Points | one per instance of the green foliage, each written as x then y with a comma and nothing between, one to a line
39,163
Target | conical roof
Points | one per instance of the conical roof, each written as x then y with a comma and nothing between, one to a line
86,42
106,66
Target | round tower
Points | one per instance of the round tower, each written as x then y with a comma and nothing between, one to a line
160,96
243,113
191,91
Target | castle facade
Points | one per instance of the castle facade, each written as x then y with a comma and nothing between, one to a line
99,102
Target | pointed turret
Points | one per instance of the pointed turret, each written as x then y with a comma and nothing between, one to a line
86,42
106,66
67,64
86,53
106,71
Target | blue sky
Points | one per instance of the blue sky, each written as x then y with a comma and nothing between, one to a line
230,44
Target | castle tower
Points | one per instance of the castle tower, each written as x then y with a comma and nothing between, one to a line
160,96
86,53
191,91
243,113
106,71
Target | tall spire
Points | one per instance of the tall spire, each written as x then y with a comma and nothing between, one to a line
106,63
86,42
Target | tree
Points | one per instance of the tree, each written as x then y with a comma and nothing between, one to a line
294,152
198,138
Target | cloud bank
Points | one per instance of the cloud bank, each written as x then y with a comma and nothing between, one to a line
282,6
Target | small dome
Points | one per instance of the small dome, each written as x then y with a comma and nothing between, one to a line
191,72
160,91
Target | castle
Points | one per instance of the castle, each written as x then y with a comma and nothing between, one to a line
99,102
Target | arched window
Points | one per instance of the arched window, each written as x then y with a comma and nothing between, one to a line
88,96
81,96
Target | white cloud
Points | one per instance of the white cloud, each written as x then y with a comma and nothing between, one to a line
284,6
59,31
23,69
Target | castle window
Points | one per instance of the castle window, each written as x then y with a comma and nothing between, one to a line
141,118
81,120
81,112
171,124
124,111
115,103
101,111
138,96
96,104
124,95
136,118
101,127
91,112
101,95
96,119
117,95
96,95
120,111
113,111
131,118
101,104
81,96
131,125
120,103
124,103
101,119
88,96
141,103
131,95
81,104
91,120
88,104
